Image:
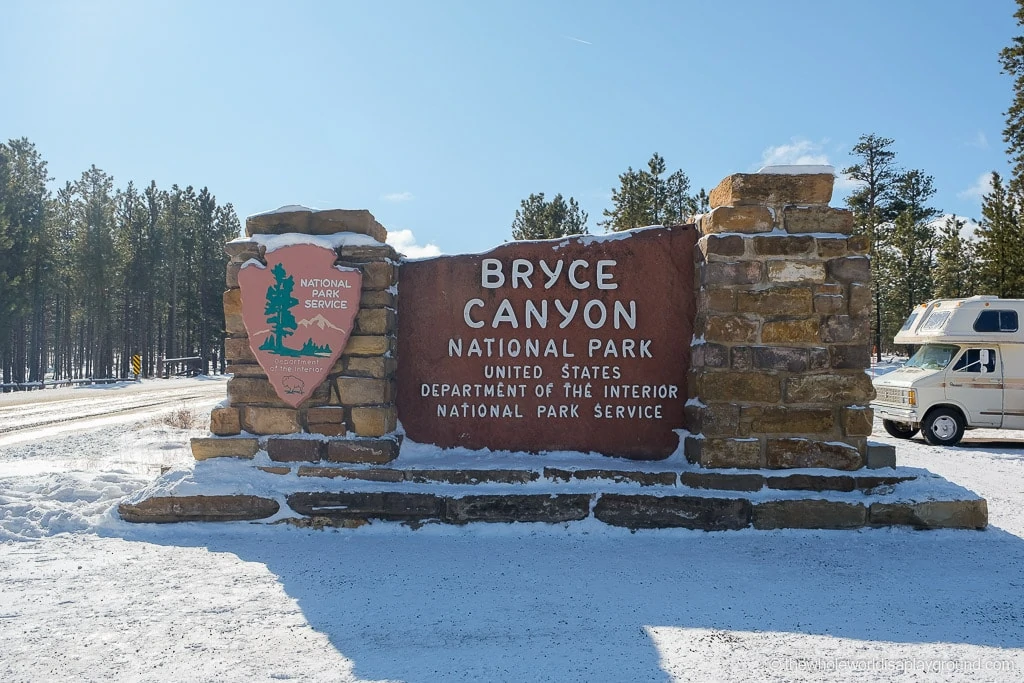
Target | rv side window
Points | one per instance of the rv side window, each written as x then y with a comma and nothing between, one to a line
996,321
976,360
910,321
936,320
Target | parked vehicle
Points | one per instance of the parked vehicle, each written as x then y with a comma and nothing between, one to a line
967,373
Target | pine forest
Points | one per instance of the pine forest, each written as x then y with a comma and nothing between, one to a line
93,274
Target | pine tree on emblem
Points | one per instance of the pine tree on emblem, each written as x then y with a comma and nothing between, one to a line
278,311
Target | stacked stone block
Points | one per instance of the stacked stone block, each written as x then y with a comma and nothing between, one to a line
782,335
357,397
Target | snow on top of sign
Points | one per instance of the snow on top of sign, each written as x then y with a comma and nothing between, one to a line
338,239
798,169
290,208
555,242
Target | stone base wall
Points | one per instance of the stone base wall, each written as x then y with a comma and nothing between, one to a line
357,397
782,335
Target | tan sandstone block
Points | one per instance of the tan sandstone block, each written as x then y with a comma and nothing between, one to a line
831,247
783,271
718,300
860,300
730,328
225,421
206,448
778,301
279,222
363,391
738,386
797,452
374,421
739,453
376,299
713,419
783,420
233,323
237,350
808,514
377,367
857,420
841,389
731,273
260,420
802,219
722,245
375,321
361,221
783,245
364,345
772,189
248,390
804,331
378,275
745,219
326,420
240,251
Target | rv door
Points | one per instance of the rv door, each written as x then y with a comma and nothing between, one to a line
1013,386
975,382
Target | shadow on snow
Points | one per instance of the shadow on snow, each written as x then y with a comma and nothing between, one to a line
509,601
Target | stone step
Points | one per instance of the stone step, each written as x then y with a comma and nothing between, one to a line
629,510
668,478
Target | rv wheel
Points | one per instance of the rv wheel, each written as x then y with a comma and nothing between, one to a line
901,430
943,427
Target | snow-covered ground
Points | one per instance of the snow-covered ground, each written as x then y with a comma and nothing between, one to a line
84,596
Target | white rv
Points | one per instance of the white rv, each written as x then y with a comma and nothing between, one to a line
968,371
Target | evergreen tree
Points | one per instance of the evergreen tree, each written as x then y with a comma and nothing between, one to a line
909,255
873,213
680,205
539,219
1012,60
954,274
1000,236
278,309
644,198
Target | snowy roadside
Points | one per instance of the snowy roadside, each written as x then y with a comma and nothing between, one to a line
84,596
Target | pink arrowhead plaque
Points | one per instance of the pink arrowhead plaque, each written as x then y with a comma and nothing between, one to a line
299,311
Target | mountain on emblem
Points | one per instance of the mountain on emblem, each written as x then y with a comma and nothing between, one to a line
319,321
298,310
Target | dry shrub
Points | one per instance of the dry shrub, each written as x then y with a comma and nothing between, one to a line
182,418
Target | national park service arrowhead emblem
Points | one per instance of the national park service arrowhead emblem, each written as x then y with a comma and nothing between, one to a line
299,310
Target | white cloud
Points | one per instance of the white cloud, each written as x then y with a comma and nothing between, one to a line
799,151
982,186
405,243
980,140
398,197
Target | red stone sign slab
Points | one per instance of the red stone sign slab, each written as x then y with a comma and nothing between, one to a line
299,311
579,344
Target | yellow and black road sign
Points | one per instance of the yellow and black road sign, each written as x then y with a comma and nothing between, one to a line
137,364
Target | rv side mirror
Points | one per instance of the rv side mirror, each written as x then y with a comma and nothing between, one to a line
986,358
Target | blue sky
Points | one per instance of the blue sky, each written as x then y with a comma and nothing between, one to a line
440,116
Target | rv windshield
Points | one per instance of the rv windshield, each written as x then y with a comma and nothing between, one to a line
933,356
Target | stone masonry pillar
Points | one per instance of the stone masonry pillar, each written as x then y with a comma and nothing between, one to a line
782,333
357,397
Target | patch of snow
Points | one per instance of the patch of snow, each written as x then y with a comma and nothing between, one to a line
290,208
333,241
797,169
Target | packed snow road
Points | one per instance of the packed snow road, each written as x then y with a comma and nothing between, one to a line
33,415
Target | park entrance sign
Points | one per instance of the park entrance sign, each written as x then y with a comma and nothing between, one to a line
580,344
298,310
